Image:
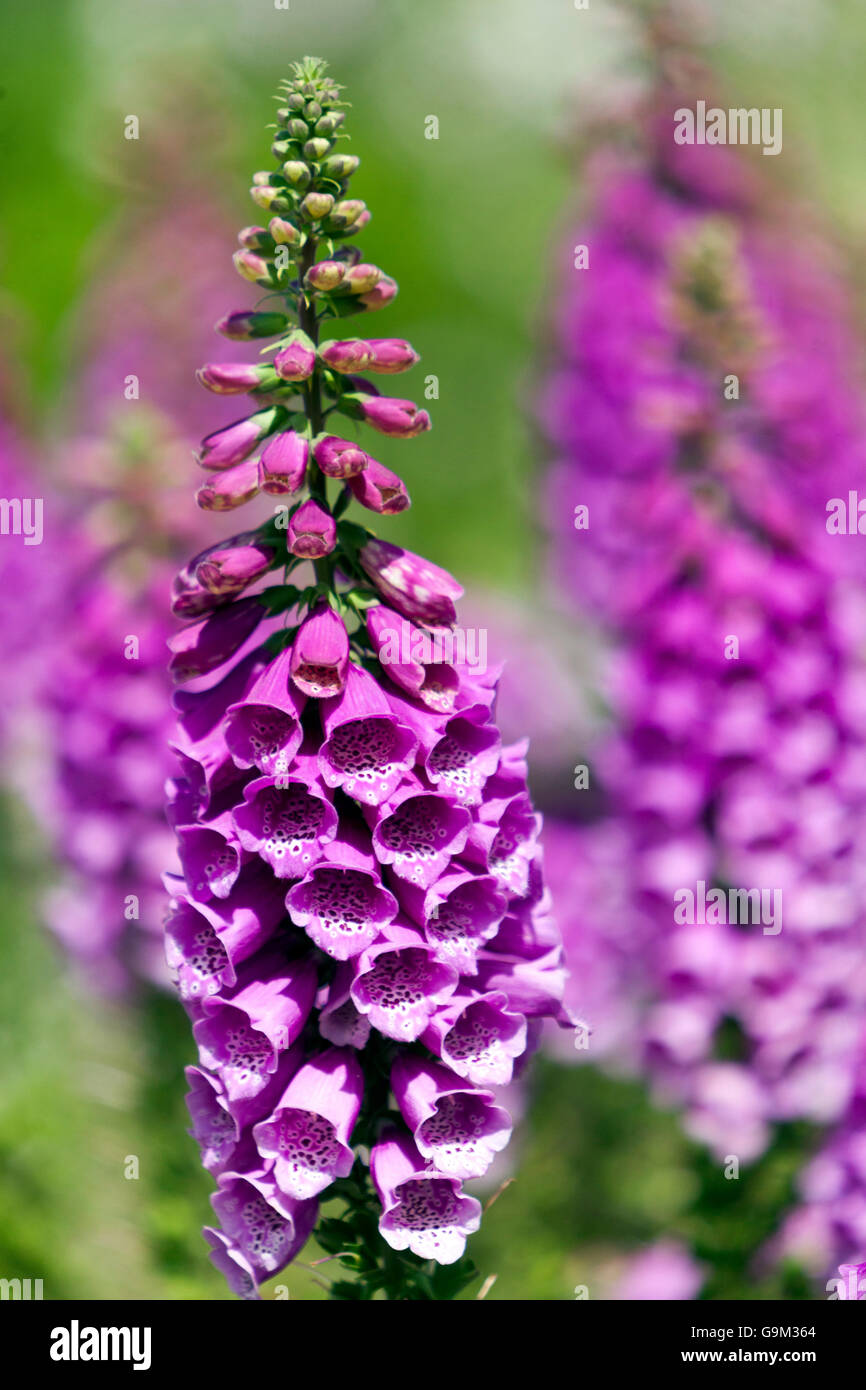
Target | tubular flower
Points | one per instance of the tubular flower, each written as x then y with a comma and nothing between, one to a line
361,906
694,458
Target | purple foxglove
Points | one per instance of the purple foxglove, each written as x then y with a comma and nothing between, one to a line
283,464
380,490
320,655
287,825
398,419
263,729
341,904
361,894
312,531
307,1137
418,589
418,833
366,751
236,442
297,360
405,653
204,646
339,458
399,984
267,1228
421,1210
244,1034
479,1037
458,1130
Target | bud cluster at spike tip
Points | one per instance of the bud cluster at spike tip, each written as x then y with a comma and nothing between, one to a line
729,765
360,934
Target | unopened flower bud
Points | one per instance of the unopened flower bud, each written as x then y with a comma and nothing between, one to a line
312,111
298,129
325,275
237,441
320,655
257,269
312,531
316,148
234,378
380,490
297,360
295,102
271,198
381,294
360,279
345,355
340,166
245,325
256,239
346,212
315,206
339,458
297,173
285,233
330,122
229,567
225,491
206,645
283,464
414,586
397,418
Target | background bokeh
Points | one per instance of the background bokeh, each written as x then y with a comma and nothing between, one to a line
467,224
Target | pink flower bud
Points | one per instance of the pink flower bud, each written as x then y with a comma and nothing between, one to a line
414,586
230,489
226,447
312,531
380,490
320,656
396,418
256,239
381,294
253,267
285,233
233,378
283,464
360,279
325,275
297,360
345,355
243,326
339,458
206,645
227,568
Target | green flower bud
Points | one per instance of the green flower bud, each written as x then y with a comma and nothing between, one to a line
271,199
312,111
282,146
295,102
297,173
316,148
298,129
340,166
315,206
345,213
330,123
264,177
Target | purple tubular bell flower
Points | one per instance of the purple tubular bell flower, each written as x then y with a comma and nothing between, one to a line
360,867
696,526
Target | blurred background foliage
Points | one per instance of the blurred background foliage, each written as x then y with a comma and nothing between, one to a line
471,226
